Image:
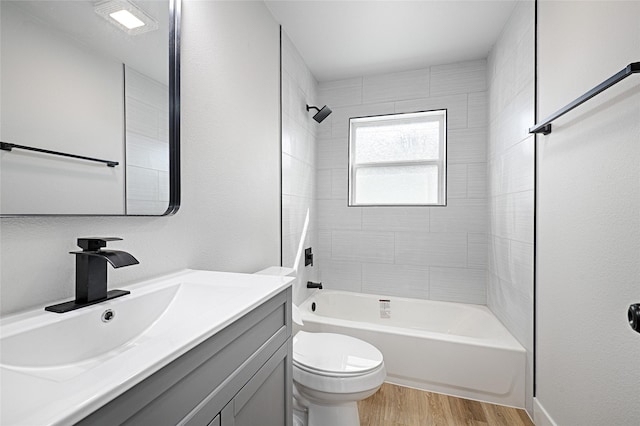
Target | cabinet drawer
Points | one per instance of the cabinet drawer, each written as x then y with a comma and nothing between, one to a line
212,371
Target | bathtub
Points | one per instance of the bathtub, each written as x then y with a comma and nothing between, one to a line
452,348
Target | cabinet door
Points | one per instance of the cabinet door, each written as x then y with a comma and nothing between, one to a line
266,398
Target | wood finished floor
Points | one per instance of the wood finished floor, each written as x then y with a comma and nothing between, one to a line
399,406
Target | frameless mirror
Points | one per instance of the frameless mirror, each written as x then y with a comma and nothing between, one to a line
89,94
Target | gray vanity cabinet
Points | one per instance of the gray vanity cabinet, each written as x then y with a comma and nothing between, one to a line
261,399
241,376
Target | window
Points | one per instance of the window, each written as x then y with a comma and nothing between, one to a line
398,159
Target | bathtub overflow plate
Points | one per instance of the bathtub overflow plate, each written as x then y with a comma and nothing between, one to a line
108,315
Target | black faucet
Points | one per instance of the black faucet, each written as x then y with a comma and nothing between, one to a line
311,284
91,273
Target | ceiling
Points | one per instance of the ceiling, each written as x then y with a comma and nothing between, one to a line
342,39
76,20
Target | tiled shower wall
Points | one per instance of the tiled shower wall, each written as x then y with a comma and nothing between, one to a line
436,253
299,88
510,180
147,136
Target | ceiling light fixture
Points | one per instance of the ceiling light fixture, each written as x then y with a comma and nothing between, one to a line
127,19
126,16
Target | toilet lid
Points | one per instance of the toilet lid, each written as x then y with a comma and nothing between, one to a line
332,354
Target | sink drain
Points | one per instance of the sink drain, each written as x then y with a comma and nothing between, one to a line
108,315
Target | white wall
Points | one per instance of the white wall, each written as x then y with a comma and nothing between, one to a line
510,181
299,130
588,216
436,253
58,94
229,219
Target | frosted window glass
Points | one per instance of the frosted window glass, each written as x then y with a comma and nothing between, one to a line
397,185
397,142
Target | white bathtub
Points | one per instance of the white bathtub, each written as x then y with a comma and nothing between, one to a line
452,348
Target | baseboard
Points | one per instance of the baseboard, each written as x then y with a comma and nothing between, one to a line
540,415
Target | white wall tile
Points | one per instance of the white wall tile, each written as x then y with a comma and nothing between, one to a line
513,308
145,207
462,77
467,146
521,261
146,89
499,257
431,249
517,166
477,180
396,280
457,285
510,170
334,214
341,116
294,65
339,184
364,236
525,58
142,118
456,106
513,218
323,130
297,177
477,251
460,215
295,212
362,246
340,93
146,152
396,86
457,181
478,110
399,219
142,184
163,186
299,181
163,126
521,208
499,221
297,141
332,153
323,248
323,184
298,108
290,244
339,275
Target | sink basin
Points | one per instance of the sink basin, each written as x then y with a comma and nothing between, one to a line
70,364
77,340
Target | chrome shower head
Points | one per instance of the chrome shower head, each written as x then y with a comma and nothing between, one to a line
321,114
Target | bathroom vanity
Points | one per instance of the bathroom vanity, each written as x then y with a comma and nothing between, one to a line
193,348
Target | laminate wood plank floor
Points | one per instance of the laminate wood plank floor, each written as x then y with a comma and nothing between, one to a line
400,406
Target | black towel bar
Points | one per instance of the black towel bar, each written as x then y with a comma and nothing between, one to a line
544,127
6,146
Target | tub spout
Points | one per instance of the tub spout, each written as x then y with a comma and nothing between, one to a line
311,284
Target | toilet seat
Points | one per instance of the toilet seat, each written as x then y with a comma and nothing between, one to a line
334,355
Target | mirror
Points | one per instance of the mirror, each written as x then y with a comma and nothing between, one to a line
89,94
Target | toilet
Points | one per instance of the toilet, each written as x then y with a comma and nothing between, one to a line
331,373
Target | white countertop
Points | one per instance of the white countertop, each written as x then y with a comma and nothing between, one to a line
64,394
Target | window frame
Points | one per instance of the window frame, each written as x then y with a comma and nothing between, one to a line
441,163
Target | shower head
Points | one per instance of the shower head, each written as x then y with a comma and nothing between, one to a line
321,114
